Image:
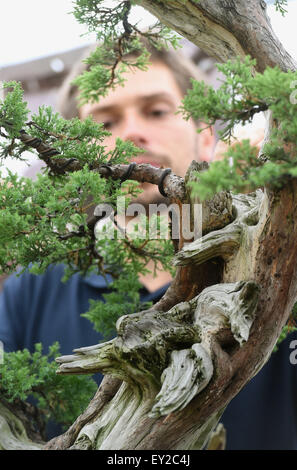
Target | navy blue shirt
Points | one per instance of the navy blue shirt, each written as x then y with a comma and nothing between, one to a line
43,309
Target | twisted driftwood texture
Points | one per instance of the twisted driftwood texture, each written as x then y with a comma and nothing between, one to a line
184,360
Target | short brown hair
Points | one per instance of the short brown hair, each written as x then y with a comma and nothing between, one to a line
181,67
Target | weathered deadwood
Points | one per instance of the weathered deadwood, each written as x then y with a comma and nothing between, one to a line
108,388
173,185
13,435
150,350
275,272
228,240
217,440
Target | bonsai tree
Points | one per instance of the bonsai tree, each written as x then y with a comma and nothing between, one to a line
172,368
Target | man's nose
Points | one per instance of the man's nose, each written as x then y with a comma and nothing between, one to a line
135,130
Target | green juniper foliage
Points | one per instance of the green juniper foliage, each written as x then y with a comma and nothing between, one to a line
118,39
244,93
24,374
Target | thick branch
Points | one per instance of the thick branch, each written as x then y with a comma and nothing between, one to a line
108,388
171,184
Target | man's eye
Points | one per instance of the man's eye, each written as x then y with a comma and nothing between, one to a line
107,124
158,112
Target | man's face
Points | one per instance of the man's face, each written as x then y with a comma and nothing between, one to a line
143,111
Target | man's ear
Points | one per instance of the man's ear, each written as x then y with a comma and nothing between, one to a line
206,143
